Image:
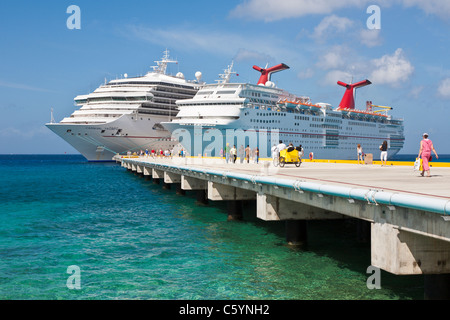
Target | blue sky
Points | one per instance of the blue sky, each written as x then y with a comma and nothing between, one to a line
45,65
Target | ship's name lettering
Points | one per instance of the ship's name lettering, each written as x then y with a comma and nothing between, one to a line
96,128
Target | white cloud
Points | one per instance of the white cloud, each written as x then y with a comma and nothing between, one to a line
441,8
187,39
269,10
344,64
344,29
331,25
416,91
391,69
25,133
22,87
334,58
305,74
444,88
251,55
332,77
370,38
216,42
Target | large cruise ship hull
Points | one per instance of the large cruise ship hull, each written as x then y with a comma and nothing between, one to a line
209,140
101,142
259,116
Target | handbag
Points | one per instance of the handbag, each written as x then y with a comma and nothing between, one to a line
417,164
430,158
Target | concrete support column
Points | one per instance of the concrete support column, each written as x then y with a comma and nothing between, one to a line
271,208
188,183
147,171
403,252
220,192
202,197
437,286
296,232
170,177
157,175
363,230
180,191
235,210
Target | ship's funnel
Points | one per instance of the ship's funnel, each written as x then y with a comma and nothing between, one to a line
348,100
266,73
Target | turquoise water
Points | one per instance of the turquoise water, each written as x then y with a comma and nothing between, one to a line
132,239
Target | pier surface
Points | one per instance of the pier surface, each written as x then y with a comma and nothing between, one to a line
407,215
392,178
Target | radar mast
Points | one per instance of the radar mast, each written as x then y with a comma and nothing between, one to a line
161,66
226,75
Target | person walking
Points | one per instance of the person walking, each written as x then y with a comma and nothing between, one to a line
383,149
274,152
233,153
241,153
300,151
360,154
247,153
426,146
227,152
257,155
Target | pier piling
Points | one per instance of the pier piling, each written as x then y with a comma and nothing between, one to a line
296,232
202,198
235,210
437,286
409,232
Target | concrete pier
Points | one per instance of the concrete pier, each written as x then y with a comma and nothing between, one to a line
405,217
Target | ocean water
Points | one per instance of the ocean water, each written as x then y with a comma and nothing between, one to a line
132,239
412,157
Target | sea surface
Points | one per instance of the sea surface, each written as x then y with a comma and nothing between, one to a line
131,239
412,157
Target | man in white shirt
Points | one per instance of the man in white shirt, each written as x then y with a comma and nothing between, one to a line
281,146
274,152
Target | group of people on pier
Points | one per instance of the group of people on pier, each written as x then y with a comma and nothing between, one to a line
426,148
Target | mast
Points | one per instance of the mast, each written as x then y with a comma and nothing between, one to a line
52,120
226,75
161,66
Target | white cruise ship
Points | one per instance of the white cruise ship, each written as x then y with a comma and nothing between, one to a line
259,115
125,115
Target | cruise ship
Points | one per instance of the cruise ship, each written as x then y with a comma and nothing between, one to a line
259,115
125,115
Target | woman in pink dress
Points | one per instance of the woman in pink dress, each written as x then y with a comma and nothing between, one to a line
426,146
